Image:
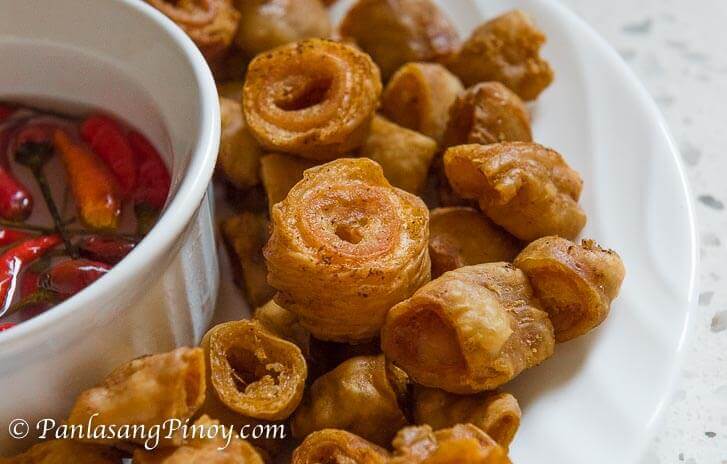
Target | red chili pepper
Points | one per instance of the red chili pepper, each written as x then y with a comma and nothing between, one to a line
6,326
13,260
70,277
107,249
91,126
154,178
33,299
153,183
10,236
34,133
16,202
6,111
29,283
93,186
106,138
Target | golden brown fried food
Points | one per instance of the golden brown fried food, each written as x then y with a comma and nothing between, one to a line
239,158
395,32
209,445
252,200
313,98
272,445
463,443
338,446
505,49
403,154
345,247
280,172
419,95
575,283
283,324
232,90
147,391
362,395
496,413
526,188
211,24
326,356
486,113
230,68
470,330
444,195
460,236
254,372
65,452
266,24
245,235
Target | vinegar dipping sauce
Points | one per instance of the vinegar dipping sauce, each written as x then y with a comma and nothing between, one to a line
78,190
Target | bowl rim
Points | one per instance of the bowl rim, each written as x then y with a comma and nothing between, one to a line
177,214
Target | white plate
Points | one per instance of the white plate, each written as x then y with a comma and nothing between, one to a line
597,399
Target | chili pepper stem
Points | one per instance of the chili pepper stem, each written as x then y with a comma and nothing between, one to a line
70,231
48,197
34,156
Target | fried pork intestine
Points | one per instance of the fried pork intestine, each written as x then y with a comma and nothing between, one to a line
253,372
284,324
362,395
470,330
526,188
211,24
345,247
462,443
404,155
496,413
147,391
395,32
338,446
208,445
313,98
487,113
266,24
419,95
505,49
239,156
460,236
575,282
66,451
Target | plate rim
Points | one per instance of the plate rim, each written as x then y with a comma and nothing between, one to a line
646,100
604,49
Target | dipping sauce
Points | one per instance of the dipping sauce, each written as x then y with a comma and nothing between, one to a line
76,196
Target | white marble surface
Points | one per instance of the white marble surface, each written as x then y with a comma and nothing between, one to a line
678,48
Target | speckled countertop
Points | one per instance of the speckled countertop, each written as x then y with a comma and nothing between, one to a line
678,48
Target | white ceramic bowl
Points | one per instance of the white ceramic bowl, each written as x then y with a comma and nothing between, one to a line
125,57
